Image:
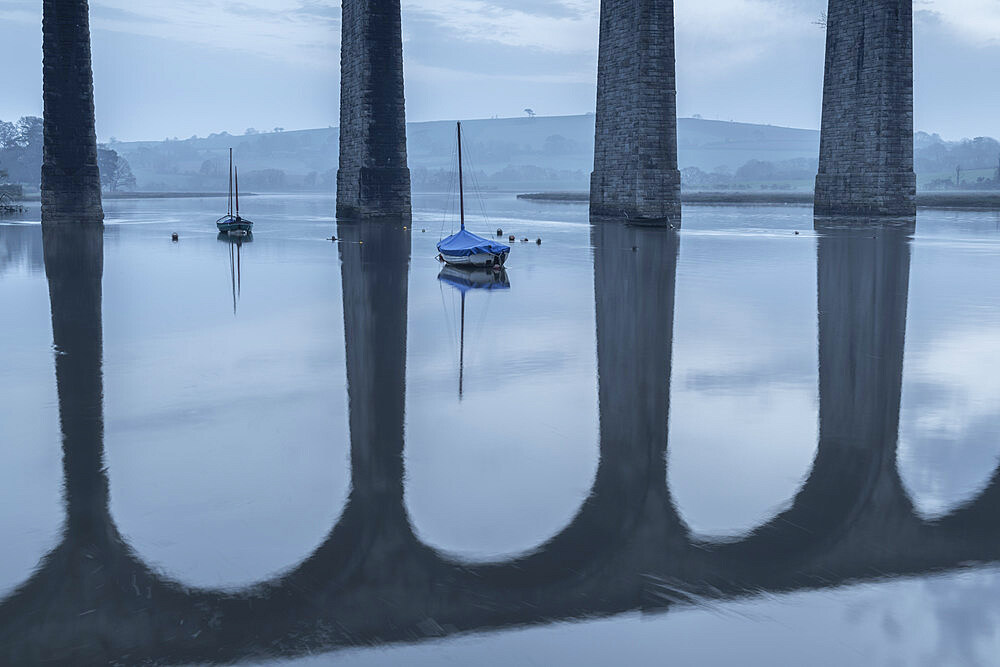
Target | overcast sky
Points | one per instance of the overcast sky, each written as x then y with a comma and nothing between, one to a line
199,66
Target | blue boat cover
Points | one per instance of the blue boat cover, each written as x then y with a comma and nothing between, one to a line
465,243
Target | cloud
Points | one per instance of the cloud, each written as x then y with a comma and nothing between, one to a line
569,26
976,20
305,31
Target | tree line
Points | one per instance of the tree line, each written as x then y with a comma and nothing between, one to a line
21,157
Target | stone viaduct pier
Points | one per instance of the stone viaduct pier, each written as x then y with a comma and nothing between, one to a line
866,141
635,174
71,183
373,179
866,148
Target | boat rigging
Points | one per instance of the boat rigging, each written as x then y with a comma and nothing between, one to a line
465,248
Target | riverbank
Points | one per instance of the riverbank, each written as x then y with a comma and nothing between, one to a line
35,197
963,201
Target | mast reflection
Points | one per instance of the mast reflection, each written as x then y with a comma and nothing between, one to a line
235,242
466,279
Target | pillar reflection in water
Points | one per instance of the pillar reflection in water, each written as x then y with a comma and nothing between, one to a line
635,272
628,522
375,266
74,264
863,273
863,277
90,547
634,286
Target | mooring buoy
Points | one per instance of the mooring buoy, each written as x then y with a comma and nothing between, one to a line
174,237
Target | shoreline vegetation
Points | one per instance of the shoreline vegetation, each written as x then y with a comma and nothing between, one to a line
547,153
970,201
36,197
966,201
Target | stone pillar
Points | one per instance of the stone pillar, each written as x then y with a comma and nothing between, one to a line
866,147
71,183
635,151
373,180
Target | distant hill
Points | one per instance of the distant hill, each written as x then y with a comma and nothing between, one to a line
514,153
541,153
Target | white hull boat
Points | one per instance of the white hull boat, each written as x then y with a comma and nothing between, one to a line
465,248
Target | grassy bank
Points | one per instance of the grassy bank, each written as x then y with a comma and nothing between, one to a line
969,201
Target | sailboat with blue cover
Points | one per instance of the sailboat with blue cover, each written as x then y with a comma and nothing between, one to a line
465,248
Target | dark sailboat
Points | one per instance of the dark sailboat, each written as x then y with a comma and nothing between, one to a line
232,223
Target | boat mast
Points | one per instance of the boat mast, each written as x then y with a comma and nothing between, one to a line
461,190
230,181
237,192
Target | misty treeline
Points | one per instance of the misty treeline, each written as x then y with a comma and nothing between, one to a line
21,157
307,160
783,174
968,164
552,153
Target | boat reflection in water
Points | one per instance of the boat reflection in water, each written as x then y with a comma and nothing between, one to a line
469,278
235,241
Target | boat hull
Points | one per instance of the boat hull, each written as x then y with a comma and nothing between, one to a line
232,224
476,259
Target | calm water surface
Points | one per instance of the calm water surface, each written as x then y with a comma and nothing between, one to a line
730,445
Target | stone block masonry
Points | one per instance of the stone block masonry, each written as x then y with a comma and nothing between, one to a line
71,182
866,144
635,174
373,180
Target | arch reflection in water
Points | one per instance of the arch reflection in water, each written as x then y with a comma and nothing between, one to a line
862,279
372,582
744,405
